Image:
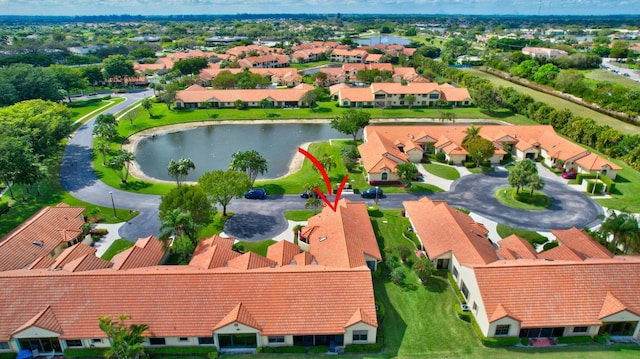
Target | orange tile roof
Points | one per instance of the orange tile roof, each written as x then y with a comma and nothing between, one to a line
456,94
296,300
213,252
343,237
501,312
72,253
86,263
379,152
413,88
251,95
575,293
356,94
283,252
581,243
304,259
560,253
514,247
443,229
360,317
593,162
251,260
45,319
39,235
146,252
239,314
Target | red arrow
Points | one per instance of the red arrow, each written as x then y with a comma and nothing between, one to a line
327,181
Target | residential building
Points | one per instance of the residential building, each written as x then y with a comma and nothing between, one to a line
543,52
387,146
577,288
265,61
222,298
393,94
286,76
195,95
345,55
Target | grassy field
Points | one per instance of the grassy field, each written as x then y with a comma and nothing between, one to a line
559,103
118,246
442,171
298,215
530,236
604,75
256,247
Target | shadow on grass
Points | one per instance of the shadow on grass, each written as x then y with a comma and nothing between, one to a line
271,188
621,179
272,115
436,284
392,325
322,110
134,185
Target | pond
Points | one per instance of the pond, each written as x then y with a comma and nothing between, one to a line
385,39
211,147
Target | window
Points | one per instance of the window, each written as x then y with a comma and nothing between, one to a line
205,340
464,290
475,307
503,329
4,346
276,339
157,341
434,96
455,272
98,340
183,339
580,329
74,343
360,335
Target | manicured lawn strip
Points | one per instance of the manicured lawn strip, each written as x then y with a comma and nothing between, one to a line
79,112
118,246
308,65
608,76
216,227
507,196
557,102
256,247
299,215
442,171
531,236
419,187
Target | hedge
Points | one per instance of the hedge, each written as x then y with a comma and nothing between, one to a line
10,355
364,348
581,339
290,350
454,285
84,352
180,350
319,349
599,187
611,184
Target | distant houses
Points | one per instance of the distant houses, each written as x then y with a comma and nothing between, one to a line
195,96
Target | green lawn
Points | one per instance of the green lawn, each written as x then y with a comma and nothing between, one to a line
442,171
608,76
256,247
299,215
531,236
79,112
523,200
118,246
557,102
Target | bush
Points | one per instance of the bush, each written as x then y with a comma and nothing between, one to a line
356,190
599,187
380,311
423,268
319,349
611,184
549,245
441,157
469,164
404,252
83,352
454,285
9,355
4,207
349,163
350,151
581,339
486,163
290,350
99,231
500,342
364,348
213,354
583,176
524,341
450,163
466,316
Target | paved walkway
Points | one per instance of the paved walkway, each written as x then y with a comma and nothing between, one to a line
105,242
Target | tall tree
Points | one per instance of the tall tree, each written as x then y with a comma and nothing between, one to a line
188,198
223,186
472,132
178,224
126,340
487,96
621,229
521,174
265,104
251,162
105,126
406,171
410,100
68,78
117,68
148,106
351,122
327,162
480,149
12,152
536,183
169,95
120,164
180,169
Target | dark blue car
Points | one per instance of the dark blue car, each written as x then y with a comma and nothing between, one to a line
373,192
255,193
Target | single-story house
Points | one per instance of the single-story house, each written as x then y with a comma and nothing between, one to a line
195,95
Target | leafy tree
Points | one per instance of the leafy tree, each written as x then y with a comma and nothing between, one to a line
223,186
148,106
423,268
126,340
190,198
250,162
471,133
102,145
310,97
619,50
265,103
623,230
536,183
169,95
327,162
180,169
93,74
105,126
406,171
314,202
410,100
12,152
521,174
351,122
26,82
404,252
120,164
398,274
546,74
178,224
480,149
68,78
118,68
190,66
488,97
526,69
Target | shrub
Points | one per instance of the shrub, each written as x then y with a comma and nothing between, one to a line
599,187
356,190
404,252
524,341
214,354
364,348
469,164
4,207
99,231
397,275
583,176
423,268
10,355
611,184
380,311
350,151
441,157
290,350
486,163
450,162
500,342
83,352
349,163
454,285
549,245
581,339
319,349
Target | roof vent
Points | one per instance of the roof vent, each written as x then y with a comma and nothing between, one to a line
38,243
322,239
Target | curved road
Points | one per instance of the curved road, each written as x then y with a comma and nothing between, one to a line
263,219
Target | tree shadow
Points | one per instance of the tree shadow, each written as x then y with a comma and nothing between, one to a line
436,284
322,110
273,189
272,115
134,185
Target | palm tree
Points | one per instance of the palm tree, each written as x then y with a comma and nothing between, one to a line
148,106
180,169
536,183
178,224
406,171
250,162
102,146
472,132
327,162
623,228
521,174
314,202
126,340
127,157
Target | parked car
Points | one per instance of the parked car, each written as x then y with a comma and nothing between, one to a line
626,74
305,194
373,192
255,193
418,178
569,175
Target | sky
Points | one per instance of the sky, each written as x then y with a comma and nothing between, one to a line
223,7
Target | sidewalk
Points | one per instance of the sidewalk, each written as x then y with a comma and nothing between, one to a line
445,184
105,242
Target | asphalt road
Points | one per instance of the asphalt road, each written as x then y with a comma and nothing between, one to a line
262,219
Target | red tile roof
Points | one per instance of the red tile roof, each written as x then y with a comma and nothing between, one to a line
514,247
198,95
283,252
45,319
251,260
213,252
39,235
146,252
581,243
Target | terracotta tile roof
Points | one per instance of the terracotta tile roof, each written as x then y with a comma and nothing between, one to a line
560,253
45,319
443,229
374,57
250,95
42,263
575,293
379,152
250,260
356,94
138,67
304,259
297,300
283,252
501,312
39,235
455,94
414,88
581,243
213,252
86,263
146,252
239,314
593,162
72,253
342,238
359,317
514,247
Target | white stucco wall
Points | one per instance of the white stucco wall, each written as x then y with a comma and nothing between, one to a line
371,334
